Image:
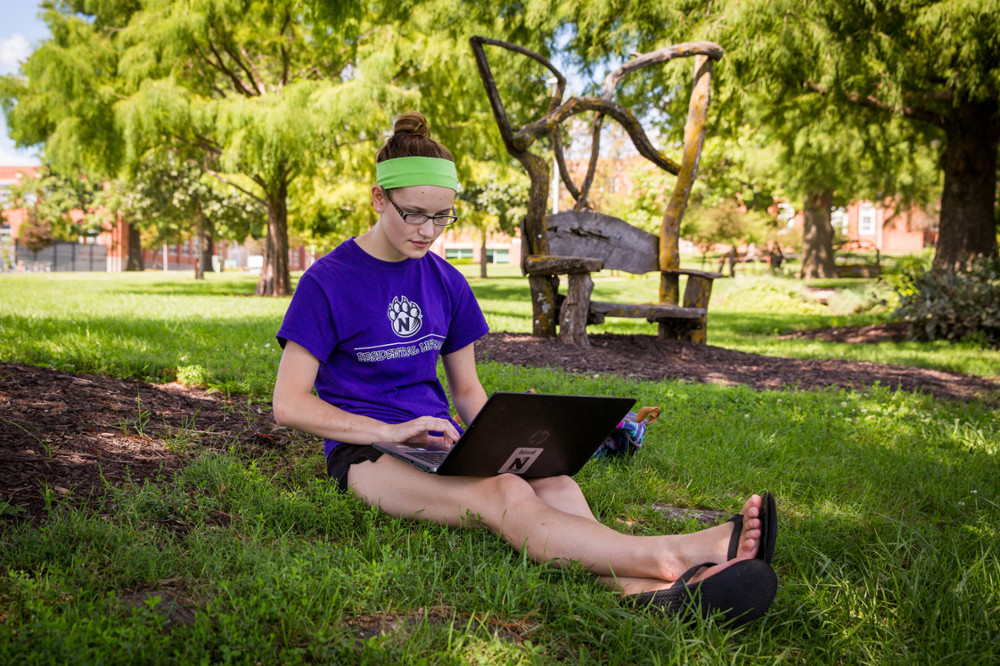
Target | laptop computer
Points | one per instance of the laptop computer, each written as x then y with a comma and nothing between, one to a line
529,434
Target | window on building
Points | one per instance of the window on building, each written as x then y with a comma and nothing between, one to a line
866,220
498,256
458,253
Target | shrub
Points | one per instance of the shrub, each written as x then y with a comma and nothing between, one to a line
953,305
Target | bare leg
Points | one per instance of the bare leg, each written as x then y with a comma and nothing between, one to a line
564,494
561,531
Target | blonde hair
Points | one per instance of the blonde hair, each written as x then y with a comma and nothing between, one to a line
412,138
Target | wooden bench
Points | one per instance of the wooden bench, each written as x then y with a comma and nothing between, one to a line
580,242
584,242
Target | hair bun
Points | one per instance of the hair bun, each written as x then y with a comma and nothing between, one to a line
412,122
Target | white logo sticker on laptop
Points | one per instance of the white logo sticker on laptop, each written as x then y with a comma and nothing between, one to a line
520,461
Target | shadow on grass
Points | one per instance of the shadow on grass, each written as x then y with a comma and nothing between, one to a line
244,287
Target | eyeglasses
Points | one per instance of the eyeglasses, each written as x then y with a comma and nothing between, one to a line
420,218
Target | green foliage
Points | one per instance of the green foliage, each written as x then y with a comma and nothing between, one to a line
167,193
643,207
503,203
65,94
36,234
962,304
727,223
60,207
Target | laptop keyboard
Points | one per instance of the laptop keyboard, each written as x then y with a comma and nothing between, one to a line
433,457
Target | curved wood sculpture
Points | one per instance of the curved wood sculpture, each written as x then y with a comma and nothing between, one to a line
539,262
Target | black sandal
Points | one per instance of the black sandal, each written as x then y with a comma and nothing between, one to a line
768,529
742,592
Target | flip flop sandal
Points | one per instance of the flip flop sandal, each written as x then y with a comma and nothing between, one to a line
768,529
742,592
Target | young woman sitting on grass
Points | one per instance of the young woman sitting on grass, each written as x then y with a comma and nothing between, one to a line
355,312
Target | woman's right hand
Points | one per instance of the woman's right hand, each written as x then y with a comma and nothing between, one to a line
427,431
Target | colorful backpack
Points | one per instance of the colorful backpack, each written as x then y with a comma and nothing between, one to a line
627,438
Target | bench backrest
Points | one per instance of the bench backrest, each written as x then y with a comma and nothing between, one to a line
589,234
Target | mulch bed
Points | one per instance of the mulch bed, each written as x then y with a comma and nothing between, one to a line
65,435
646,357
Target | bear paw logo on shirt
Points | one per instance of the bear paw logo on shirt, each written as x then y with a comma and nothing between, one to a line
405,316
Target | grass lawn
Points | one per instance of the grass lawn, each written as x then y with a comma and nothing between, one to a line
889,505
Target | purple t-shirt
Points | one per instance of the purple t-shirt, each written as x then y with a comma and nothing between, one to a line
378,327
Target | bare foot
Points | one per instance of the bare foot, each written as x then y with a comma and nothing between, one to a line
712,544
751,532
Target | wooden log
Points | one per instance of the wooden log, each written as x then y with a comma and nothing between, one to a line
688,271
694,139
544,289
575,310
696,295
675,329
618,244
670,289
697,292
649,311
548,264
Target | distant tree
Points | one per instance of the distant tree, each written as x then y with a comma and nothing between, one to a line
260,90
495,206
172,199
59,207
35,234
855,93
726,223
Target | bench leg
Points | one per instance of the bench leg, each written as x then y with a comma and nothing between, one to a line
544,291
696,295
575,309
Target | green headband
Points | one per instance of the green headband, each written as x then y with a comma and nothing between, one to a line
409,171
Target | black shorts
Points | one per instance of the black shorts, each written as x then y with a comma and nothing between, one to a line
343,456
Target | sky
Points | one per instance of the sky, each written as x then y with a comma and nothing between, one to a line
22,30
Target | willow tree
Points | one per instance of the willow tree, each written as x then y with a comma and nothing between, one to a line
63,99
261,91
923,69
257,90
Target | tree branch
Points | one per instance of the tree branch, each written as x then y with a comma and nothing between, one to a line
872,102
218,176
285,52
686,50
237,82
575,105
255,75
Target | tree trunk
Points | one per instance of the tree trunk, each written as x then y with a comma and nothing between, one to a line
534,243
274,277
969,162
134,262
199,246
817,236
207,245
482,252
